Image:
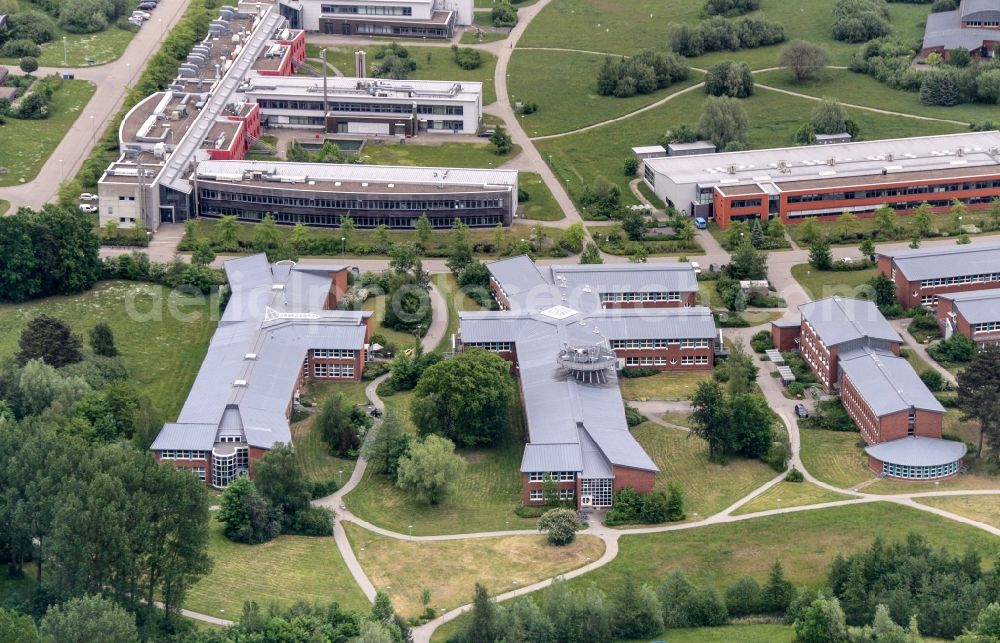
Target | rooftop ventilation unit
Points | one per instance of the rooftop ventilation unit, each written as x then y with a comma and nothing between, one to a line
239,383
250,356
277,286
588,363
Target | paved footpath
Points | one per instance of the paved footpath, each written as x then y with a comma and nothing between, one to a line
112,81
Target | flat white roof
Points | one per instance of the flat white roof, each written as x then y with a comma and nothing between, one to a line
345,87
234,171
835,160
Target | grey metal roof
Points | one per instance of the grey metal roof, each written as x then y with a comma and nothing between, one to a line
646,277
969,8
945,29
976,306
947,261
519,277
552,457
786,323
917,451
888,383
842,319
274,316
199,437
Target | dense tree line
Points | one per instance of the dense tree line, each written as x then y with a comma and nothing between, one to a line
860,20
136,266
50,252
729,78
643,73
721,34
729,8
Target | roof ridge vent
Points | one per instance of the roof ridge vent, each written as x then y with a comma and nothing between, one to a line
240,382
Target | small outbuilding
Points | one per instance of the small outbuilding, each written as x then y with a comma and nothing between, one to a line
691,149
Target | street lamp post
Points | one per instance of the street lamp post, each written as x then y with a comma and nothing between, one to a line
343,245
62,170
65,54
93,130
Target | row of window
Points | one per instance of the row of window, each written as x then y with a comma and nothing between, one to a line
561,476
495,347
363,222
398,30
928,301
986,327
891,192
362,108
352,203
961,279
745,203
227,468
640,296
333,370
230,438
899,206
658,343
183,454
564,495
336,353
367,11
690,360
918,472
198,471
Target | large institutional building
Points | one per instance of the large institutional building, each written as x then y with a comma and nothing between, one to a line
280,329
823,181
388,18
924,274
567,330
852,349
238,80
974,26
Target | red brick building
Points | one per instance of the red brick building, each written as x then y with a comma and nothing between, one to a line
823,181
284,54
974,314
280,330
921,275
566,331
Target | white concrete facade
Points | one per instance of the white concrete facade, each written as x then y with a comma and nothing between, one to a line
394,10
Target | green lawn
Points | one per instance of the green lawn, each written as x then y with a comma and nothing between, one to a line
470,37
457,301
439,66
861,89
378,304
805,543
650,196
26,145
834,457
789,494
541,205
102,47
310,449
826,283
484,498
709,296
663,386
161,349
4,206
283,571
629,27
577,102
439,155
578,159
758,633
982,508
683,459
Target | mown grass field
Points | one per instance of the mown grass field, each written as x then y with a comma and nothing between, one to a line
578,159
457,301
663,386
479,155
433,63
789,494
26,145
102,47
627,28
683,459
4,206
827,283
283,571
541,205
982,508
378,306
577,102
162,335
450,569
834,457
315,456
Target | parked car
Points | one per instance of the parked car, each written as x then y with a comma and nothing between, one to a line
89,209
696,266
135,21
87,196
486,133
146,5
142,15
700,223
801,411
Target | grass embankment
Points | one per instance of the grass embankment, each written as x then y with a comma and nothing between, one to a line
790,494
450,569
835,457
25,145
101,47
663,386
541,205
283,571
457,301
982,508
683,459
827,283
163,335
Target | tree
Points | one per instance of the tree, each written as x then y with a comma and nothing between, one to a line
804,59
225,234
86,619
809,230
346,229
979,394
460,255
560,525
636,611
752,424
17,628
402,258
957,211
482,626
847,224
385,444
710,419
591,254
102,340
866,248
501,140
723,121
424,228
883,290
922,220
823,622
430,469
247,515
49,340
280,478
820,256
829,117
743,597
466,399
729,78
747,262
203,254
886,222
634,225
675,503
28,64
986,627
341,425
777,594
573,237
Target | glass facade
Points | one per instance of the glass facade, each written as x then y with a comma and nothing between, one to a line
599,490
227,464
907,472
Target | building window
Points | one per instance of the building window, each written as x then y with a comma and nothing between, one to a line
334,353
225,468
907,472
536,495
598,490
493,347
200,472
325,371
566,494
536,476
183,454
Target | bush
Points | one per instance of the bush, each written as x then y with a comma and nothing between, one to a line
651,508
932,380
729,8
631,166
643,73
829,416
633,416
503,15
761,341
860,20
957,348
28,65
560,525
944,87
804,59
20,48
720,34
760,300
643,371
31,25
794,476
729,78
323,488
312,521
743,597
466,57
941,6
